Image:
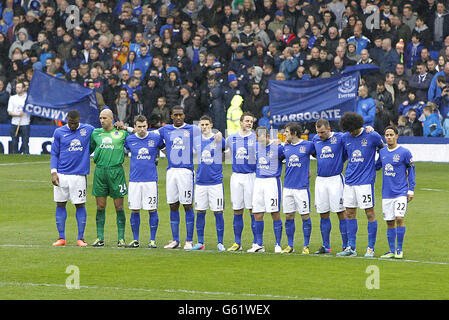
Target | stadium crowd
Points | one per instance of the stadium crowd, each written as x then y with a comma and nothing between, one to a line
144,57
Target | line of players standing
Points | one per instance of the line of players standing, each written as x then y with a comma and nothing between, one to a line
255,182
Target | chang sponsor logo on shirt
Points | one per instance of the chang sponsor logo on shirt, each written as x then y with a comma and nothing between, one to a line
178,144
241,154
75,145
389,170
143,154
106,143
263,163
326,153
293,161
206,157
357,156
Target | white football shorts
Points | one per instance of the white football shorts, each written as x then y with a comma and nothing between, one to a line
179,185
296,200
71,187
267,195
242,185
209,197
359,196
394,208
142,195
329,194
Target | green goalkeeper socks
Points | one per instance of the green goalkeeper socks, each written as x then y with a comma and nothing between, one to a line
121,220
101,218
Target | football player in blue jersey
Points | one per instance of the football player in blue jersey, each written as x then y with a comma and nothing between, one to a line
329,182
242,149
209,193
360,175
70,164
178,138
398,184
144,146
267,188
296,193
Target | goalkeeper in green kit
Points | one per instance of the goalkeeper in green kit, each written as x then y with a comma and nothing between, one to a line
107,143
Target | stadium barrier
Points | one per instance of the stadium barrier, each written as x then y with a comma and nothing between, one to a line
423,149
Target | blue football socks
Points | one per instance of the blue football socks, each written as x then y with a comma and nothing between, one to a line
81,217
352,227
174,223
277,228
238,228
190,224
325,228
400,233
219,225
259,226
307,230
154,223
253,228
61,217
134,221
391,236
372,234
344,232
290,228
200,223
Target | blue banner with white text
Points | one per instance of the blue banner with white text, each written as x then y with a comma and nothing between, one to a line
310,100
52,98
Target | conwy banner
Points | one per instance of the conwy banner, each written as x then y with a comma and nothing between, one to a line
52,98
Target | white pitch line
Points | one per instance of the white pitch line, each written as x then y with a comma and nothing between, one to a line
241,252
438,190
31,181
19,163
215,293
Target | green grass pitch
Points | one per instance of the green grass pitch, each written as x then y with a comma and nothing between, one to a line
32,269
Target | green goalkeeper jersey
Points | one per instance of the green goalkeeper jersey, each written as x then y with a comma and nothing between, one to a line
109,146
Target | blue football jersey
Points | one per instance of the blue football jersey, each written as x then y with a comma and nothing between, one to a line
297,163
209,170
269,160
144,152
330,155
398,172
70,150
179,144
361,154
243,150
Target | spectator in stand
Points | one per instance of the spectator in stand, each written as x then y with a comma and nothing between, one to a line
177,37
403,128
413,51
420,81
412,102
256,101
161,111
414,123
366,106
390,58
431,125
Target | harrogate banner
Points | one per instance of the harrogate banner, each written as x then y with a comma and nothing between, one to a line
52,98
310,100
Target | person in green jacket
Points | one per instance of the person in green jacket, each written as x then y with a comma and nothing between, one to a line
233,114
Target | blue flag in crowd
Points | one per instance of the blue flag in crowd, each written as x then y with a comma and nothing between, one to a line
310,100
52,98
